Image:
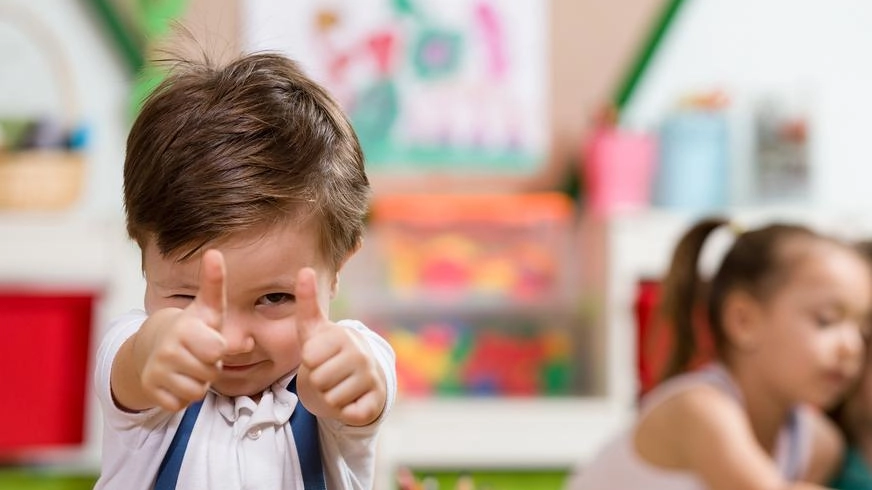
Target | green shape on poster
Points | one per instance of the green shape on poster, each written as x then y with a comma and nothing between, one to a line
375,113
403,7
436,53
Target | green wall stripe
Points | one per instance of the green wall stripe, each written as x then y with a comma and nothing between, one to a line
130,46
643,59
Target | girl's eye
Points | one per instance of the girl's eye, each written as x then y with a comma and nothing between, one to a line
275,298
183,297
825,320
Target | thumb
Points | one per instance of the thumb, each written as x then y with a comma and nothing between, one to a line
309,314
211,299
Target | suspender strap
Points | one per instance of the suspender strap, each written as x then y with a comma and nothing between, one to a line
168,472
304,425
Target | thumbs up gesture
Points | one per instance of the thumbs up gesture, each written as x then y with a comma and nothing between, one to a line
177,352
338,377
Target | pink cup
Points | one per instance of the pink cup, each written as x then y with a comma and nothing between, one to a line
618,168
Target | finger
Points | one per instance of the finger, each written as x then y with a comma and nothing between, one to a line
318,351
168,401
363,411
211,300
191,364
329,373
348,391
185,388
309,314
207,346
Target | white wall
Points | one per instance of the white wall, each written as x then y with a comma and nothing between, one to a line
811,51
85,247
99,84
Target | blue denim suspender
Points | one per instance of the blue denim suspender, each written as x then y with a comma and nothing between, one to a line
304,426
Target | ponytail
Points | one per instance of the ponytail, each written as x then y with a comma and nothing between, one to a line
683,292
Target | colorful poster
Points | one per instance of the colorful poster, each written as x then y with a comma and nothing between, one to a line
453,85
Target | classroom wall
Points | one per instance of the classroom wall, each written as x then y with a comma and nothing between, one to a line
812,53
97,84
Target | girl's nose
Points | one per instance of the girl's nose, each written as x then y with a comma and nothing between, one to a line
851,343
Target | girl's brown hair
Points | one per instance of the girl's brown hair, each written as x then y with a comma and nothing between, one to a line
218,150
756,264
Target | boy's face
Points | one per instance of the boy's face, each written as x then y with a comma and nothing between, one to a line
259,325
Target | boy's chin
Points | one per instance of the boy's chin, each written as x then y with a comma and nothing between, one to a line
235,389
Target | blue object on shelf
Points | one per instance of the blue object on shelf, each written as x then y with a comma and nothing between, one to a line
693,171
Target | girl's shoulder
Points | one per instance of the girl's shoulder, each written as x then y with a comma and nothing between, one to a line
711,380
676,418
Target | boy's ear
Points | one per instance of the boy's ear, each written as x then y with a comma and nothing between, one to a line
742,320
334,284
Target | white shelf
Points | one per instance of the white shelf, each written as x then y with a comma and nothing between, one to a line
58,252
45,250
496,433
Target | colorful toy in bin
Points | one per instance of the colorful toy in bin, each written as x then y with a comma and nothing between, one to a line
442,358
473,247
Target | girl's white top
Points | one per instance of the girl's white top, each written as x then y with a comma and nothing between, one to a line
618,466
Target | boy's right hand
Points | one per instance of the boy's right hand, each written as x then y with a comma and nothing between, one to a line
177,352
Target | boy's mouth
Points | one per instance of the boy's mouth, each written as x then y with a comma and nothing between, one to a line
237,367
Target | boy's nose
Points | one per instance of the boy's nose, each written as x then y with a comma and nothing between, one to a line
237,335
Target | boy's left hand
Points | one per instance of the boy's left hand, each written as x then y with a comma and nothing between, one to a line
338,377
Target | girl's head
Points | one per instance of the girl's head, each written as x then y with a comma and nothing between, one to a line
786,302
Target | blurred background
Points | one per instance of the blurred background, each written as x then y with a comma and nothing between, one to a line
533,164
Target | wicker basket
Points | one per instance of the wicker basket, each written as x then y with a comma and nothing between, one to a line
42,179
45,180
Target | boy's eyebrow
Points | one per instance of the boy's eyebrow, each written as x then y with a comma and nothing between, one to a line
176,285
276,283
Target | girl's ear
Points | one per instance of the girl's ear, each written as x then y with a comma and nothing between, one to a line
742,321
334,284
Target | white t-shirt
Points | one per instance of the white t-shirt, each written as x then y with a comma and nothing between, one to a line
236,443
618,466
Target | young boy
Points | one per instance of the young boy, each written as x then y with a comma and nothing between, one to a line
244,187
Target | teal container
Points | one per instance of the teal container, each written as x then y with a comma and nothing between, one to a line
693,171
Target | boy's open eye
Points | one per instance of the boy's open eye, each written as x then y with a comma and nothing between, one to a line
276,298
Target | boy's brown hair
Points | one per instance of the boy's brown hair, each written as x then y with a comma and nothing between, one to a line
218,150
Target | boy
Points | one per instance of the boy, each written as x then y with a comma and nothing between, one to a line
244,188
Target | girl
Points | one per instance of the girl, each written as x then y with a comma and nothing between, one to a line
854,417
787,310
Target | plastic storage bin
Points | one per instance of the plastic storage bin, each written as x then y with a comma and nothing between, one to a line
473,249
489,356
44,361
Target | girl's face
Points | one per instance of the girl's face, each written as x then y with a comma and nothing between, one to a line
858,405
810,345
259,324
